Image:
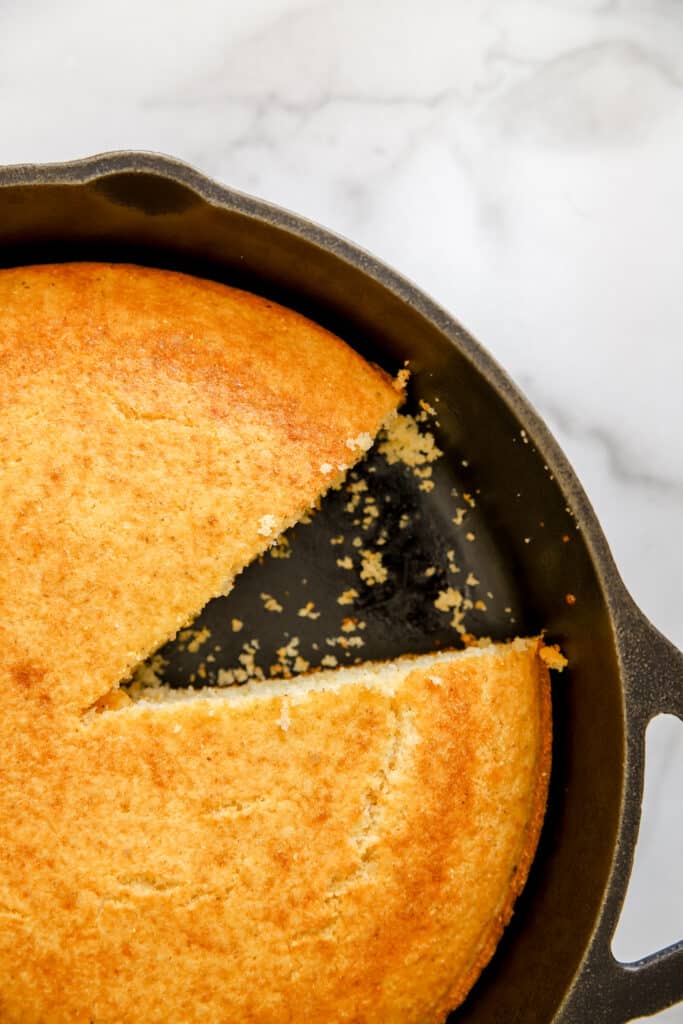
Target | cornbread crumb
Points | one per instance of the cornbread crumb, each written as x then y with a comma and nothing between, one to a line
194,638
372,571
345,563
308,611
289,660
553,657
451,600
281,548
344,641
404,442
148,674
470,640
401,380
355,489
447,599
248,669
237,625
347,596
370,513
270,603
460,514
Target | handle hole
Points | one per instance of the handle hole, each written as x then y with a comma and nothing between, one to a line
652,915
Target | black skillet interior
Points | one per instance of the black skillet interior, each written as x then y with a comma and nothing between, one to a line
517,537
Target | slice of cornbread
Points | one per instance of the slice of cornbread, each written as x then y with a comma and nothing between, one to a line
157,433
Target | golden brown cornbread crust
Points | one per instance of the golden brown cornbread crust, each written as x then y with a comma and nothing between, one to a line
157,432
331,856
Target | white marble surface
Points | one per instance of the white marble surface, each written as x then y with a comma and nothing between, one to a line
522,161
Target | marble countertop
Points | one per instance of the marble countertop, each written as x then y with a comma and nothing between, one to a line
522,161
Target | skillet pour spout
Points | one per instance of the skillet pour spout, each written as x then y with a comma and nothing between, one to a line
554,962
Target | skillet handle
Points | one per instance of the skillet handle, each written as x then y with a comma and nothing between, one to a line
654,674
610,991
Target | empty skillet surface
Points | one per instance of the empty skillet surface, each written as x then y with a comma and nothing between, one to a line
554,961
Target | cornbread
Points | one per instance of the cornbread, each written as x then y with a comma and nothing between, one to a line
157,433
346,846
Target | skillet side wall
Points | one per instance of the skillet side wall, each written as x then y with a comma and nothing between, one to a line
146,219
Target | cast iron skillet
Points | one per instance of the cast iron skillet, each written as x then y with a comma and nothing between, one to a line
554,962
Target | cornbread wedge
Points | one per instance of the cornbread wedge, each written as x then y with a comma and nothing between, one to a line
157,432
342,847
